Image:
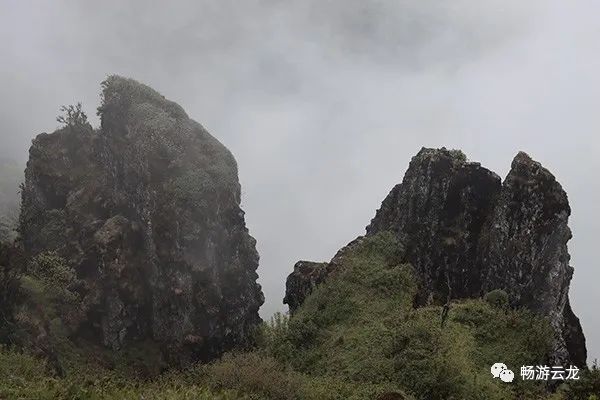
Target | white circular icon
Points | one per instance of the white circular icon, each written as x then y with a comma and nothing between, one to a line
507,376
497,369
500,370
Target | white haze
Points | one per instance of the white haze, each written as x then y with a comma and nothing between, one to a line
324,102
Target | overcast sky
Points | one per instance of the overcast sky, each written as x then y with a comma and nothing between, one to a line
323,102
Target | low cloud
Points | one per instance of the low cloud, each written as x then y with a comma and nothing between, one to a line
324,102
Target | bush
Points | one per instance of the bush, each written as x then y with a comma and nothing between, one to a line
56,277
11,267
73,115
50,285
23,376
272,337
497,298
255,373
586,388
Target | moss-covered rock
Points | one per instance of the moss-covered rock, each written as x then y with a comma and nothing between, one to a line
466,232
360,325
145,215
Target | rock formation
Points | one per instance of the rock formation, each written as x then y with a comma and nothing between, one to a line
524,249
146,212
466,233
438,212
306,276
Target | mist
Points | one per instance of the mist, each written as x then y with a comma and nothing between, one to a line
323,103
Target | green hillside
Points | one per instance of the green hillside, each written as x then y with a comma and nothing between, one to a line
357,336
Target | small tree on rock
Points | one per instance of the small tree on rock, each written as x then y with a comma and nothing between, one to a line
73,115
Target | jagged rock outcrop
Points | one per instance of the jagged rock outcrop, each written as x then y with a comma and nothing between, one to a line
438,212
306,276
466,233
146,211
524,250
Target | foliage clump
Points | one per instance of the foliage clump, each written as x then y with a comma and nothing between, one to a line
119,94
585,388
12,264
72,115
23,376
497,298
458,154
51,282
56,278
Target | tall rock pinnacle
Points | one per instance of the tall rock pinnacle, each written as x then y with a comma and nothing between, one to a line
438,212
524,250
146,212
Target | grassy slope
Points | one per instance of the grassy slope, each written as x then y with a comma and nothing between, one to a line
356,337
25,377
360,326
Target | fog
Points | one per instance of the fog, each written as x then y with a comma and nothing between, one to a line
323,103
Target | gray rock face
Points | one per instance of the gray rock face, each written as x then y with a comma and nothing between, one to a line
438,212
573,336
307,275
299,284
146,211
524,251
466,233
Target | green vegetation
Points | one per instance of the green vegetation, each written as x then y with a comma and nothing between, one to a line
458,154
586,388
356,337
173,144
119,93
72,115
497,298
11,268
361,327
193,189
25,377
51,282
